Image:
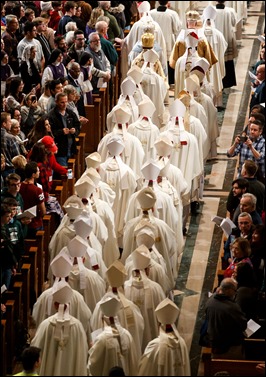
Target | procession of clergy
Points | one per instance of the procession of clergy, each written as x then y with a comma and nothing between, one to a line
114,258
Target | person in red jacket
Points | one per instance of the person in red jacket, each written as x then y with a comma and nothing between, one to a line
43,153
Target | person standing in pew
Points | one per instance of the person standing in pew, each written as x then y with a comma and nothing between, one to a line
226,322
31,360
33,196
15,231
7,256
65,127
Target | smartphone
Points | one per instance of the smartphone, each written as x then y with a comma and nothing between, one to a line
33,98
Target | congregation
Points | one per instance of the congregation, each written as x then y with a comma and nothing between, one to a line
113,195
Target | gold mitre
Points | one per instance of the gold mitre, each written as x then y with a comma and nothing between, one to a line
147,40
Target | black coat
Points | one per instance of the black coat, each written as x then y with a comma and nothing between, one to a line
61,140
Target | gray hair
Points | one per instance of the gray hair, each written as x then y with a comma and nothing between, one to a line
252,197
92,35
69,89
10,17
71,26
245,214
100,25
104,4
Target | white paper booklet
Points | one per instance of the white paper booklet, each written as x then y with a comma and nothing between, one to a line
29,213
226,224
252,327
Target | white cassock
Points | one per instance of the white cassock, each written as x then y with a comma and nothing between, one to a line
197,129
156,273
66,234
129,317
155,88
105,193
114,346
137,49
132,155
182,69
165,241
44,308
225,22
122,180
110,248
135,35
147,133
219,45
146,294
170,24
88,283
129,105
166,355
213,129
185,157
177,179
59,352
164,209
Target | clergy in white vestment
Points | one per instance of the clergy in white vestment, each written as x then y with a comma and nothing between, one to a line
110,250
219,45
136,74
144,292
126,101
225,22
113,345
58,337
154,86
165,239
138,48
43,308
201,68
185,154
84,280
164,208
138,28
104,191
194,28
133,154
170,24
128,314
144,129
121,179
156,272
147,41
206,103
166,355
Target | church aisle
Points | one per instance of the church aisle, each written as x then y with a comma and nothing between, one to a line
200,259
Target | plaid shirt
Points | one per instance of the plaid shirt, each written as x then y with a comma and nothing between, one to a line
9,147
245,153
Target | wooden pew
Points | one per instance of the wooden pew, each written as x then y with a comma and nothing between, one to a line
49,229
71,181
93,128
254,352
39,243
24,277
81,142
15,293
3,348
10,335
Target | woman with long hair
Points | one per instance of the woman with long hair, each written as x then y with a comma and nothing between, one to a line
41,128
14,93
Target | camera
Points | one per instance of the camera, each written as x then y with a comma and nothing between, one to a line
243,138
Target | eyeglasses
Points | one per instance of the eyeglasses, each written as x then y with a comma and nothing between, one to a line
15,184
80,39
96,40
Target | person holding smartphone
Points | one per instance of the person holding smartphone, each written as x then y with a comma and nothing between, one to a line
30,112
250,147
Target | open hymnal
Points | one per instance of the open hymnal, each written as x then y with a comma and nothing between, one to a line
252,75
252,327
29,213
226,224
